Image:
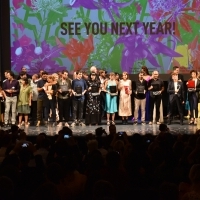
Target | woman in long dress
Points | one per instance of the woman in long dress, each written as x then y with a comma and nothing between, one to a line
92,115
125,88
111,101
147,77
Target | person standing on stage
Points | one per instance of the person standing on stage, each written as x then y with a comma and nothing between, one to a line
34,99
92,115
176,70
64,91
125,88
102,78
111,98
24,101
156,87
176,97
41,97
193,96
140,88
79,88
50,100
11,88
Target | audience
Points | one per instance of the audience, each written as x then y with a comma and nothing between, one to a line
103,166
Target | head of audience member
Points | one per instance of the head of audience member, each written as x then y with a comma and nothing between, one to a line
193,74
55,76
174,77
125,76
102,73
176,69
10,76
6,73
155,74
85,75
93,69
117,76
50,79
145,70
163,128
79,75
141,75
93,76
24,81
35,77
44,75
22,75
112,129
112,76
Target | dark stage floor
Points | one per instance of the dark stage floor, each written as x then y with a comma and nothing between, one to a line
131,129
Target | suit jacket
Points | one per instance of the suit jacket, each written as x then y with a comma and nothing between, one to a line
197,90
171,91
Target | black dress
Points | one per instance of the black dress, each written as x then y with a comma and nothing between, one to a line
92,115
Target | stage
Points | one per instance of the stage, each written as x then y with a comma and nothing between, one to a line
130,129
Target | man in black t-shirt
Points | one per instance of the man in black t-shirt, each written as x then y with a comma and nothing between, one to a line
156,87
139,88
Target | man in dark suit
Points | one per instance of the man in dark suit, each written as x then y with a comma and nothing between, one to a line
176,97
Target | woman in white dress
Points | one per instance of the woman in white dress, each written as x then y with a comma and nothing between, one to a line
125,88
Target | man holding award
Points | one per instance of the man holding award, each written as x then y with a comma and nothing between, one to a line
156,87
140,88
79,87
64,91
176,97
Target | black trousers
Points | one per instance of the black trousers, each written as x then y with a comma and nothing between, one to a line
193,101
102,103
33,111
50,104
78,108
156,99
175,104
64,109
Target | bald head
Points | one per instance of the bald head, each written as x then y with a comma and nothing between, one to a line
93,69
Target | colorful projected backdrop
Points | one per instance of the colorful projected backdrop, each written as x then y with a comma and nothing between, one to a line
37,42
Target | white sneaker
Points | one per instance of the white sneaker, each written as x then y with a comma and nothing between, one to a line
66,124
150,123
60,124
158,123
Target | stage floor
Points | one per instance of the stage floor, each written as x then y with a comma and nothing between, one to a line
130,129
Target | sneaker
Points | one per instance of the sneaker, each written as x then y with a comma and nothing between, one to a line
66,124
158,123
60,124
135,123
143,123
108,123
113,123
150,123
81,124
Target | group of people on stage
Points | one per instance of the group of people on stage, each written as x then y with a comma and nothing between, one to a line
86,97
